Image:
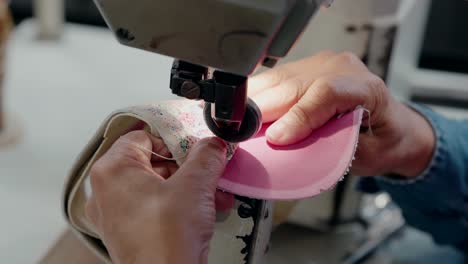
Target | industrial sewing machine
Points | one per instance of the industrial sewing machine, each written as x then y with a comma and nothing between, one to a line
217,44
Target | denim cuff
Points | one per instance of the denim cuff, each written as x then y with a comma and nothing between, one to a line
438,156
434,201
375,184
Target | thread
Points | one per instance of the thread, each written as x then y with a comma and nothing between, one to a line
368,119
149,150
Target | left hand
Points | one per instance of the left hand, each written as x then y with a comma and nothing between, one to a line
147,210
301,96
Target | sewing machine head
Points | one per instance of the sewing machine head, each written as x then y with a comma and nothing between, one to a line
231,36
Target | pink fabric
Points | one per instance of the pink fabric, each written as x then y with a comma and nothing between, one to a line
263,171
257,169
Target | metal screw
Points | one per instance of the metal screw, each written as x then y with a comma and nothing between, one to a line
244,211
190,90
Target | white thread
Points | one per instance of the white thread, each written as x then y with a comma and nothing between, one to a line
150,151
368,120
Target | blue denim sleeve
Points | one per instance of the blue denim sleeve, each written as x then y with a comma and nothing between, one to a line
437,200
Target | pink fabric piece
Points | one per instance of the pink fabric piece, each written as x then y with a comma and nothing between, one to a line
263,171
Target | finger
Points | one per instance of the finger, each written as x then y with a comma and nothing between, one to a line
205,163
133,145
274,77
165,169
224,201
128,152
275,102
321,102
160,148
138,145
344,61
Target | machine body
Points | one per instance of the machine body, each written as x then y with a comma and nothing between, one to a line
231,37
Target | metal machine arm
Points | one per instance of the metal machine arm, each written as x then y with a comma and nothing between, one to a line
232,36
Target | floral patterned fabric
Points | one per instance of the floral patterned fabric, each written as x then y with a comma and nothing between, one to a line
180,124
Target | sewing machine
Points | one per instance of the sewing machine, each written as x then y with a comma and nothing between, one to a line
217,44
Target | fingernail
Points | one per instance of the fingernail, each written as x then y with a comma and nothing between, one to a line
276,132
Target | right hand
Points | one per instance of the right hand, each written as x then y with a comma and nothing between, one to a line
147,209
302,96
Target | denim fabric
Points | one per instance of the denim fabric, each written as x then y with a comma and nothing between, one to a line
437,200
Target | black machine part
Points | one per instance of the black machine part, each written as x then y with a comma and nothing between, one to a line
232,36
235,36
228,112
250,125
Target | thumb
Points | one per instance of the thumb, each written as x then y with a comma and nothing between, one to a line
204,165
313,110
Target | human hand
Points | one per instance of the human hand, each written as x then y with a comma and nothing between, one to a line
147,210
302,96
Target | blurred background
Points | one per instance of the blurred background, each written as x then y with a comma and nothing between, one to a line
63,73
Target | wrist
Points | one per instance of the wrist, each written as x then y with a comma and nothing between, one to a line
165,255
168,246
416,147
174,248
